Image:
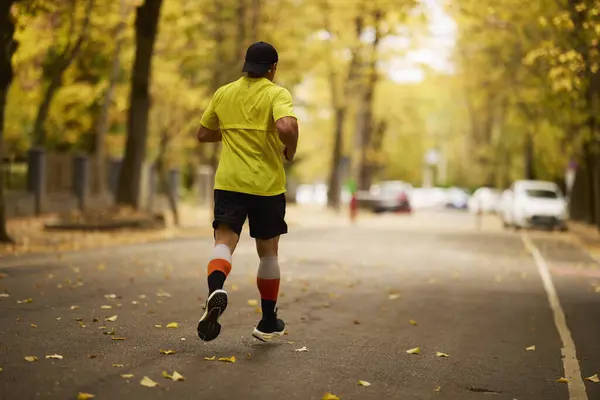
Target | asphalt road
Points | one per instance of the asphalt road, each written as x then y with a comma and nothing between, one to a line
348,294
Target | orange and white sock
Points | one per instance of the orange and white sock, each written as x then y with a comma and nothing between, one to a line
267,281
219,267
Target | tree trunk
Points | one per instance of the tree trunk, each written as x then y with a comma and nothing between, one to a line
339,104
241,33
364,175
102,126
529,156
162,175
8,47
146,29
60,67
255,21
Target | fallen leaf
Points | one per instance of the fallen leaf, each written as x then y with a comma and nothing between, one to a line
142,296
175,377
291,342
1,369
118,365
29,300
111,319
394,296
530,348
356,322
330,396
163,294
105,307
301,349
253,303
227,359
148,382
158,326
55,356
118,338
172,325
93,355
74,307
167,352
31,358
95,320
437,389
85,396
594,378
33,325
112,332
126,376
3,275
101,267
416,350
364,383
213,358
4,295
413,322
78,319
248,355
235,287
440,354
562,380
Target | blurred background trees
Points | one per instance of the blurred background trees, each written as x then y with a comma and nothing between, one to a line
516,95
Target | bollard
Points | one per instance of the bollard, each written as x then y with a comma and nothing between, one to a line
36,178
113,175
152,183
81,178
174,183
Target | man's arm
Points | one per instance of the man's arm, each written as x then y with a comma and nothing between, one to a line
206,135
287,127
286,122
209,124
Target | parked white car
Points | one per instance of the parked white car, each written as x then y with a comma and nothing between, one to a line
534,203
485,200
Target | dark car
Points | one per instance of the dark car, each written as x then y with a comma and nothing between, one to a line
391,196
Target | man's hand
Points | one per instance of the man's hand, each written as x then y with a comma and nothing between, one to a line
208,135
288,154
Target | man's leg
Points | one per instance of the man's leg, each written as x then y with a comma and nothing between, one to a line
229,217
267,222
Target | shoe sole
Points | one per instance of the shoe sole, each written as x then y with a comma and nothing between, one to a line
267,337
208,326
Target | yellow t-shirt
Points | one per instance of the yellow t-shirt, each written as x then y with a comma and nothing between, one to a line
252,155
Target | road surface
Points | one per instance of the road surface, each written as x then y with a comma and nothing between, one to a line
348,296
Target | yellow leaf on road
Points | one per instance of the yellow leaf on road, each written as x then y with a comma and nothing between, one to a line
167,352
394,296
437,389
118,338
4,295
227,359
33,325
213,358
175,377
594,378
101,267
301,349
25,301
330,396
562,380
440,354
253,303
85,396
148,382
111,319
31,358
530,348
74,307
55,356
235,287
126,376
173,325
413,322
118,365
106,307
364,383
158,326
416,350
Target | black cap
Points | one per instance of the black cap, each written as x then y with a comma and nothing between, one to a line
260,57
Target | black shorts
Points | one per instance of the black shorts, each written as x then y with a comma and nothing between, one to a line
266,214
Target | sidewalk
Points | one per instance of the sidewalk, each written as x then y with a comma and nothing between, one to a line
588,236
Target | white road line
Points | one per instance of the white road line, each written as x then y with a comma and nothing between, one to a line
570,362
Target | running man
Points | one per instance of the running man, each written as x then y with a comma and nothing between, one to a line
254,118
